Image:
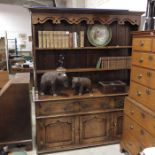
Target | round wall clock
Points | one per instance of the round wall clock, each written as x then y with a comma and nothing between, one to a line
99,34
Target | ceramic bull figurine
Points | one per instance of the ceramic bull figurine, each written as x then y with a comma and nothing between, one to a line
81,85
53,82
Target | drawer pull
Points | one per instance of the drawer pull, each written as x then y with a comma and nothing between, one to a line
150,57
149,74
148,91
130,143
141,60
141,132
139,76
141,43
139,93
131,126
132,112
143,115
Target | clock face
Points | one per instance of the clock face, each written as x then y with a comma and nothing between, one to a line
99,35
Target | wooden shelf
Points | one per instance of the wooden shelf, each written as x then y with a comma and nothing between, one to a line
69,95
80,70
85,48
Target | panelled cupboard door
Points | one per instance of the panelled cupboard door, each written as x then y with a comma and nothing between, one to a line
94,128
55,132
117,124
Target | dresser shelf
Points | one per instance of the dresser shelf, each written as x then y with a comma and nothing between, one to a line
93,49
75,70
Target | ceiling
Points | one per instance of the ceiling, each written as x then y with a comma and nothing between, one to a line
35,3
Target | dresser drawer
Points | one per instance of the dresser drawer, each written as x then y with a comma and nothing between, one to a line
101,103
142,44
143,76
143,59
56,107
131,144
131,127
140,115
144,95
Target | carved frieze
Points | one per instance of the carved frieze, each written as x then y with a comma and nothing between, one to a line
89,18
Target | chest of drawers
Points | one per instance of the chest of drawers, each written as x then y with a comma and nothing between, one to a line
139,110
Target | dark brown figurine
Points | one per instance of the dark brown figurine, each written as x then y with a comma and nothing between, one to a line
81,85
53,82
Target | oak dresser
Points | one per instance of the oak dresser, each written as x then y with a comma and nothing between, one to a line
139,117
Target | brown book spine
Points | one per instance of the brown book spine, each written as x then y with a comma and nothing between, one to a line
40,39
81,38
51,40
48,39
44,39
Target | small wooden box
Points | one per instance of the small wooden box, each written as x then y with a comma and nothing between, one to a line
112,87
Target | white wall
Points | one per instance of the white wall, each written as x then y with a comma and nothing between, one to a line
135,5
15,20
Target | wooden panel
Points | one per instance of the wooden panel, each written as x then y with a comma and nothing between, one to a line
56,132
15,113
56,107
138,132
143,59
153,45
139,115
142,44
131,144
4,78
142,94
118,124
94,128
101,103
143,76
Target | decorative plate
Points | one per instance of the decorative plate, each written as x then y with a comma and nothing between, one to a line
99,35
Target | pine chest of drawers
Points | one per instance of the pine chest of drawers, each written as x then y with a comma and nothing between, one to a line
139,110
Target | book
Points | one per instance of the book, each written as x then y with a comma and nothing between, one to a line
81,39
75,40
48,39
98,64
40,39
51,40
44,40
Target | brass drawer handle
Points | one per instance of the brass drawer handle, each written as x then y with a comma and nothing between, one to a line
131,127
132,112
143,115
142,132
141,43
139,76
148,91
149,74
141,60
139,93
150,57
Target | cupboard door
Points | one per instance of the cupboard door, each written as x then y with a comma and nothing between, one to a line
118,124
94,128
55,132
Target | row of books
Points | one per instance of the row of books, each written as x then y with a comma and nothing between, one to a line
108,63
60,39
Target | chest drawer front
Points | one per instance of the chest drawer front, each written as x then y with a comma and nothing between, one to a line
143,95
142,44
143,59
131,144
101,103
143,76
139,115
56,107
131,127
